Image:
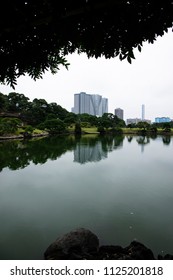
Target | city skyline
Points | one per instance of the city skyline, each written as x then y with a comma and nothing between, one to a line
148,80
119,112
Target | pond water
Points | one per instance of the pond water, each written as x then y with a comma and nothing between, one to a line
119,187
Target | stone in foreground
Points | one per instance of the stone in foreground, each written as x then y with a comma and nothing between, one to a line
78,244
82,244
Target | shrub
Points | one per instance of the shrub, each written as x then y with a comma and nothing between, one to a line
29,128
101,130
78,129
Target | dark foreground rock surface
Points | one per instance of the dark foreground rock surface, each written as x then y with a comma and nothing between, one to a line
82,244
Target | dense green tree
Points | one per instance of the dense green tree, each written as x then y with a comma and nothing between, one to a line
101,130
34,116
3,102
71,118
131,125
29,129
54,126
9,125
167,127
92,120
143,125
117,122
17,102
62,113
36,113
40,103
78,129
109,120
116,130
163,125
53,108
50,117
105,120
152,129
57,111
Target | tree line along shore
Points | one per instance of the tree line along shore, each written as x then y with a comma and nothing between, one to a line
22,118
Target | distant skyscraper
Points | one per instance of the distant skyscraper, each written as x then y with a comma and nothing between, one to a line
92,104
119,113
143,112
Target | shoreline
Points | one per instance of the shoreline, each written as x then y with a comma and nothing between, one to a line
124,132
22,137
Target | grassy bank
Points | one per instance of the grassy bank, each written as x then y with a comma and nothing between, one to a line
133,131
19,134
138,130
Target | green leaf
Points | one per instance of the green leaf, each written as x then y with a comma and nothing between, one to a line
131,54
120,56
129,59
139,48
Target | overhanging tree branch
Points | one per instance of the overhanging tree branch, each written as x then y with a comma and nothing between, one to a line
36,35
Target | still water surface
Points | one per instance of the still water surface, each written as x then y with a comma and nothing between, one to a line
121,188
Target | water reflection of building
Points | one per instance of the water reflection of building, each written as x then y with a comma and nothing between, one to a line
86,153
143,140
166,139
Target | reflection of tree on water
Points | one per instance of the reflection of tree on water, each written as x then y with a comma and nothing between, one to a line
129,138
143,140
96,149
166,139
19,154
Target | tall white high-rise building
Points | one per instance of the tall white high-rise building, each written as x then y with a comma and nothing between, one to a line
92,104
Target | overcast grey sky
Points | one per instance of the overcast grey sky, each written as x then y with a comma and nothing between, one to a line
148,80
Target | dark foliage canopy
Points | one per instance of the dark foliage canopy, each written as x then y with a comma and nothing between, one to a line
36,35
